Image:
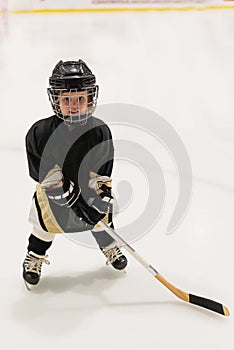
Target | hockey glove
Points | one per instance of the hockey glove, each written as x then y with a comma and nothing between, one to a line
60,190
100,206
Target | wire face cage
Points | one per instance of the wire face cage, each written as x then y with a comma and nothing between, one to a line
73,105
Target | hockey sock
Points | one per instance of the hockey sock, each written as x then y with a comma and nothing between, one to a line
37,245
103,238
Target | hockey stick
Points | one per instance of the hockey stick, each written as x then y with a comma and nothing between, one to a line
189,298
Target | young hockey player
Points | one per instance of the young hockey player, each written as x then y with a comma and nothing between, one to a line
70,156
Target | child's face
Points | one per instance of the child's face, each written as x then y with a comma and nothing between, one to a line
73,103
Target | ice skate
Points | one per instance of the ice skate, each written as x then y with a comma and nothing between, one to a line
32,268
115,257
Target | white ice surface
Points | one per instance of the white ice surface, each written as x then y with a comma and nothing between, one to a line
181,66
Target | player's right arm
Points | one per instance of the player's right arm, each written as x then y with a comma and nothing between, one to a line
33,153
35,142
60,190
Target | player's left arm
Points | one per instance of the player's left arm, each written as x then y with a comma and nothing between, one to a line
100,182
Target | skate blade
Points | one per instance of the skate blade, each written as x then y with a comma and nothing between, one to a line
29,286
123,271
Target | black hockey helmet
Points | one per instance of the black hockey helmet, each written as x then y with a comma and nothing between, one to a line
72,76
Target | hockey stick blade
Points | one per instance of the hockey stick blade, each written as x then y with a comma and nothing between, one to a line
189,298
194,299
209,304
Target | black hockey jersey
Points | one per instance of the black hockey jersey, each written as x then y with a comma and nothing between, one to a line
49,142
85,150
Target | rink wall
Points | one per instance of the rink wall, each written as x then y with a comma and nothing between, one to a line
113,5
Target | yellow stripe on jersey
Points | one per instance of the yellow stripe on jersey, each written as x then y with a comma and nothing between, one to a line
48,217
